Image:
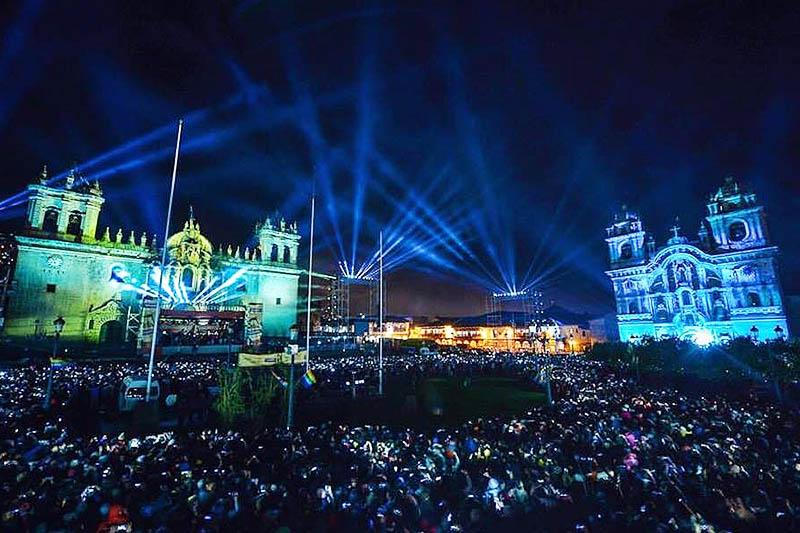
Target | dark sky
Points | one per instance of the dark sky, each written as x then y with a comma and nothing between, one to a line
495,138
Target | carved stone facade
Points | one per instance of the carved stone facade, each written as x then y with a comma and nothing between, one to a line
723,285
97,284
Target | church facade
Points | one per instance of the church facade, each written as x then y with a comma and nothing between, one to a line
722,285
105,286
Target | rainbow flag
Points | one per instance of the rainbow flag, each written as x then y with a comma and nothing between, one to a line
308,379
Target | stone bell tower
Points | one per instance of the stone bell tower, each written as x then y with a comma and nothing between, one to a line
737,222
278,241
70,212
626,239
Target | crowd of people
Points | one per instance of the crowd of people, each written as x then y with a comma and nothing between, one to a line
608,455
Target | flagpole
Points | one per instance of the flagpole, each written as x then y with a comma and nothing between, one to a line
157,314
308,303
380,317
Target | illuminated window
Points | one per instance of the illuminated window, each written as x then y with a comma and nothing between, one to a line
737,231
51,287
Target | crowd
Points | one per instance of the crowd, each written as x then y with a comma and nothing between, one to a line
609,455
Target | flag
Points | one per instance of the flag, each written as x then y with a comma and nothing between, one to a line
58,363
308,380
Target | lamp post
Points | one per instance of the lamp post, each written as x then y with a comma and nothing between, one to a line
230,340
58,325
754,333
292,351
634,355
779,336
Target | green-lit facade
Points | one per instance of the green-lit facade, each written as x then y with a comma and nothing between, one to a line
106,286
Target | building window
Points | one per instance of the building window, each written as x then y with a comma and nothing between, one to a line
287,255
686,298
753,300
633,308
187,278
273,256
50,221
91,323
737,231
51,287
712,280
625,251
277,301
74,224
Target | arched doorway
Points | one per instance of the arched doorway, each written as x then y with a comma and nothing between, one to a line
111,332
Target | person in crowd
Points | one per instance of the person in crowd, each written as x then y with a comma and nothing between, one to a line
609,455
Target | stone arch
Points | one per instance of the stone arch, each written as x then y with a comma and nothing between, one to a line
187,277
74,223
111,332
50,220
753,299
738,230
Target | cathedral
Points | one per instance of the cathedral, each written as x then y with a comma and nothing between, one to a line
721,285
105,285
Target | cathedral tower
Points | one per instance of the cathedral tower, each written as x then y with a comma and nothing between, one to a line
278,241
71,211
736,221
626,240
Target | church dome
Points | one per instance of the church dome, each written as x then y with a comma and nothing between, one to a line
189,245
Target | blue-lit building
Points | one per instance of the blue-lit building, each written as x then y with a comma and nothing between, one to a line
721,285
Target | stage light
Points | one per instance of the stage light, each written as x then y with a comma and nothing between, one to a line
703,338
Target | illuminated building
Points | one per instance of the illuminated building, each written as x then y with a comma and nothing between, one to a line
8,253
717,287
105,287
542,335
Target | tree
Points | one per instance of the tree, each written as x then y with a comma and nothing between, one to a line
229,405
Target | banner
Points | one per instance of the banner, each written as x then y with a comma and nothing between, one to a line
252,323
250,360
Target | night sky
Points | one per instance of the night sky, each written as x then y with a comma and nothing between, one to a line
491,142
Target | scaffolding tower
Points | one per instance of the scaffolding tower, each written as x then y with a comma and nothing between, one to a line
526,306
343,311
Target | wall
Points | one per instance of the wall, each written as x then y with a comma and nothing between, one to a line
81,276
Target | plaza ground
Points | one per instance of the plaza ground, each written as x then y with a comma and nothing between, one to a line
434,402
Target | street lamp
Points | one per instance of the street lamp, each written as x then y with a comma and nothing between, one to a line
754,333
58,325
292,351
634,355
230,340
